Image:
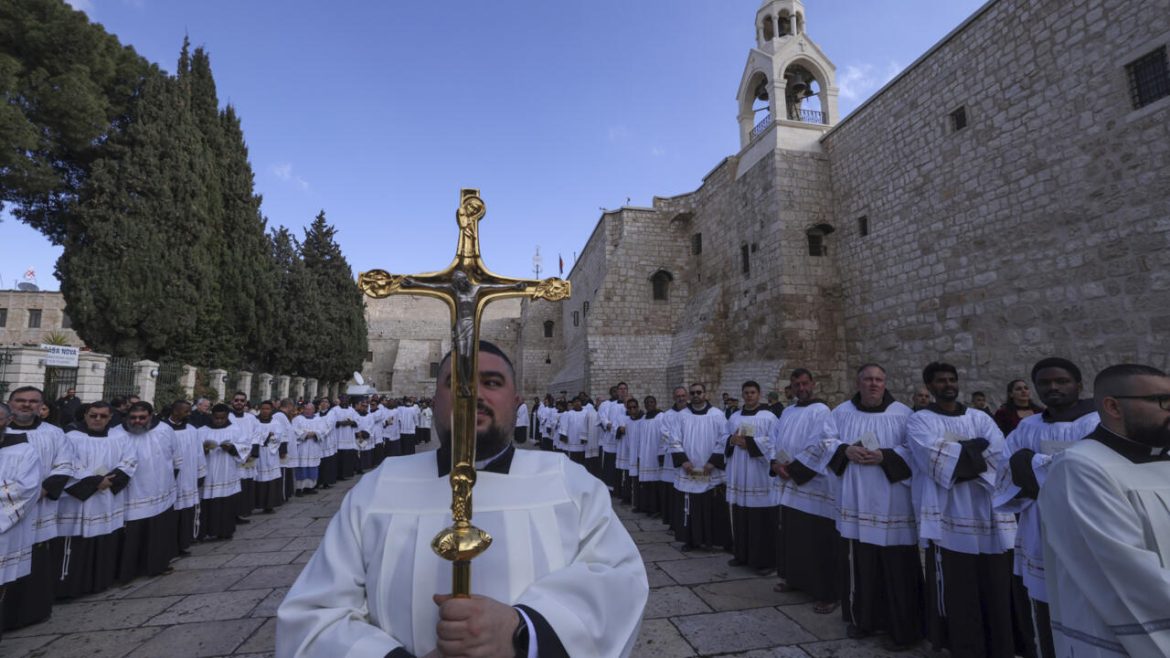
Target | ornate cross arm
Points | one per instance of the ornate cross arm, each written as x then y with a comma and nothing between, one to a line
466,286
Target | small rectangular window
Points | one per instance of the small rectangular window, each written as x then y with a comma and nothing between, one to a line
3,317
959,119
863,226
816,245
1149,78
576,318
434,369
745,257
697,244
66,321
34,318
369,356
585,308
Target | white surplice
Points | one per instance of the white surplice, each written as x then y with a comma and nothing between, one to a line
1106,526
565,554
269,435
223,468
310,435
958,516
408,419
194,464
56,459
573,432
250,434
870,508
651,449
104,511
1033,433
748,480
20,487
697,437
796,436
152,487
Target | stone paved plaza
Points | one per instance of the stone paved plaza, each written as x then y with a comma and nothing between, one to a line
221,601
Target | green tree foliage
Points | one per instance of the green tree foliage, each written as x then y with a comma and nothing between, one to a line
337,320
67,86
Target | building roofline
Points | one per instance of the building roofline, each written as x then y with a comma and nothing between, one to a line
921,58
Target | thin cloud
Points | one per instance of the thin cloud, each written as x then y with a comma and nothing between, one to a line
284,172
857,82
81,5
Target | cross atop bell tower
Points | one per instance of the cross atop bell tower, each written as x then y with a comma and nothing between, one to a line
788,93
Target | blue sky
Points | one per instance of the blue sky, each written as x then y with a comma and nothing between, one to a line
379,112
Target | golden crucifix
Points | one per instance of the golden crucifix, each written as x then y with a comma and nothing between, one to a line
466,286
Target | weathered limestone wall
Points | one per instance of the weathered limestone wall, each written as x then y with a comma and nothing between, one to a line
15,330
1040,229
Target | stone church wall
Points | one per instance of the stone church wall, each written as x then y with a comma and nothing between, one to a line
1040,229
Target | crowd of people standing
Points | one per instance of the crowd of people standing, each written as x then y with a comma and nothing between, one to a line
101,493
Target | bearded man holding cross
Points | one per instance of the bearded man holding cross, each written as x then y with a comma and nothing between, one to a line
563,575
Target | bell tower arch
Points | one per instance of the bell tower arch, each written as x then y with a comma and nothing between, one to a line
787,96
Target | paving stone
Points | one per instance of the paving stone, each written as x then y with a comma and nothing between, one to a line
211,607
304,557
268,577
270,654
237,546
200,562
263,639
868,648
306,542
673,601
740,630
213,638
658,577
195,581
119,591
631,525
262,559
94,644
710,569
97,616
774,652
660,553
268,606
825,627
750,593
652,525
660,639
651,536
24,646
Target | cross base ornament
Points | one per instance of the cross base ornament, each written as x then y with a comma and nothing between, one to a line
466,286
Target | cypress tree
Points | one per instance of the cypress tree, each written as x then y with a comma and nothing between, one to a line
337,323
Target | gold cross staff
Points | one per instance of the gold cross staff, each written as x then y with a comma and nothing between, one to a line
466,286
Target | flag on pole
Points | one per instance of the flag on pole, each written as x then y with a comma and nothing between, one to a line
561,260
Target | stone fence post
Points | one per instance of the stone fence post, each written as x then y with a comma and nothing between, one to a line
27,368
265,385
145,379
91,376
282,383
218,378
311,388
243,383
187,381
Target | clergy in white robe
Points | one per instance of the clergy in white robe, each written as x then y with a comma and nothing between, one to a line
425,419
612,415
669,473
546,585
308,429
151,533
225,446
269,436
343,427
1031,446
364,435
1105,512
287,451
20,480
596,435
408,426
651,455
327,470
246,500
377,432
29,599
629,441
573,432
956,453
191,473
869,468
809,541
545,424
391,431
755,502
92,511
701,516
520,434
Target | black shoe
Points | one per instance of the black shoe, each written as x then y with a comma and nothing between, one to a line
242,521
855,632
765,571
310,492
687,548
736,562
299,493
269,510
184,553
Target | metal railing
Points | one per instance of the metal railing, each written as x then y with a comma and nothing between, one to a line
797,113
762,125
119,378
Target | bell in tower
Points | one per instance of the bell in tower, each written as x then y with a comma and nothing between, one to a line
788,92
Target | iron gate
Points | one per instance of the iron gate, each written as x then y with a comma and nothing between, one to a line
59,380
5,363
119,378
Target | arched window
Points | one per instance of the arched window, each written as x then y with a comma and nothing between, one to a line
816,239
660,285
769,31
548,328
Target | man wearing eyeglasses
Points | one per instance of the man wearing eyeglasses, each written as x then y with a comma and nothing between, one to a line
697,446
1106,514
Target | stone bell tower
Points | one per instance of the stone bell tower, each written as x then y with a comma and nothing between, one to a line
788,94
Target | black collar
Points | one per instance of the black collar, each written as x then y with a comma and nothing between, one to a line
751,412
887,400
12,439
97,433
809,403
651,414
1079,409
174,425
261,420
237,414
1138,453
700,413
960,409
501,464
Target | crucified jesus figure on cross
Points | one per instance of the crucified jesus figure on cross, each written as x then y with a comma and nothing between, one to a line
466,286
